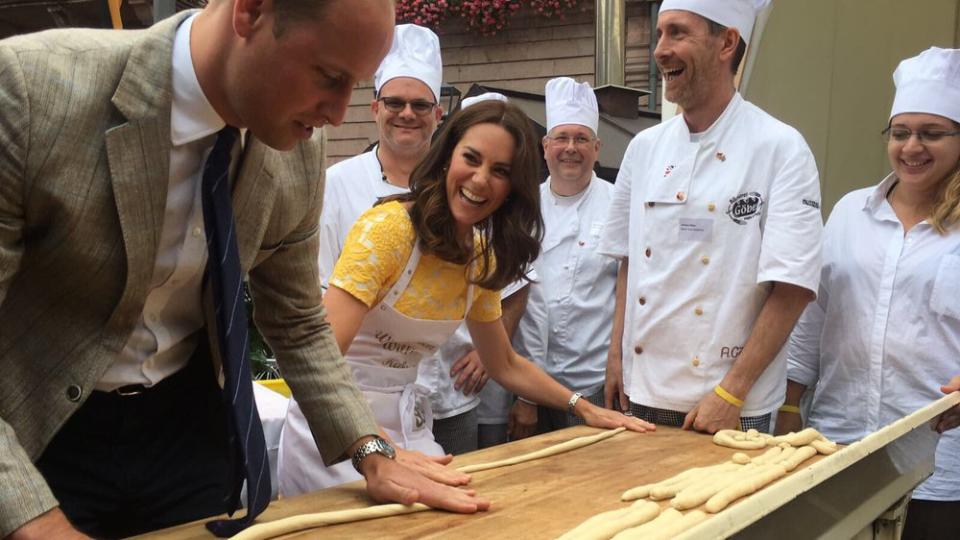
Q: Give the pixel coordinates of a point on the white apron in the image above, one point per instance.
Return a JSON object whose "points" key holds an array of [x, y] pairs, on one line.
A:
{"points": [[383, 359]]}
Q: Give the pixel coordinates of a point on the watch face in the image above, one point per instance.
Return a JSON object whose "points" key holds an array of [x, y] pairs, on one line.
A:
{"points": [[386, 449]]}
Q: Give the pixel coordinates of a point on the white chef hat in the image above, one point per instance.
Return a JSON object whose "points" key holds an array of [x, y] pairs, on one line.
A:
{"points": [[466, 102], [929, 83], [415, 53], [739, 14], [570, 102]]}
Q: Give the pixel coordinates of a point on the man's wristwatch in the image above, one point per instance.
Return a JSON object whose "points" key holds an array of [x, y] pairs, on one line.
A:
{"points": [[375, 446], [573, 401]]}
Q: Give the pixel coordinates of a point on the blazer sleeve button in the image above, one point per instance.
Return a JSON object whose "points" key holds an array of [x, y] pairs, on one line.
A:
{"points": [[74, 392]]}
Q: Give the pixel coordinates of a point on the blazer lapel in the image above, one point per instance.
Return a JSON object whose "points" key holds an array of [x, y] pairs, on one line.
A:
{"points": [[138, 150]]}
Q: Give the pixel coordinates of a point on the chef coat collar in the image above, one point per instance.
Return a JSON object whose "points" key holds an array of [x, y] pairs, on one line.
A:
{"points": [[716, 127], [877, 204]]}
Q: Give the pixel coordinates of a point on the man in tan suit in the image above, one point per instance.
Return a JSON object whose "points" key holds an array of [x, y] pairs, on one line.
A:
{"points": [[106, 407]]}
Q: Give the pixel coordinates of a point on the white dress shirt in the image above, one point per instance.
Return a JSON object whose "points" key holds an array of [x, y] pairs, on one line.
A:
{"points": [[884, 333], [578, 285], [159, 345], [708, 222]]}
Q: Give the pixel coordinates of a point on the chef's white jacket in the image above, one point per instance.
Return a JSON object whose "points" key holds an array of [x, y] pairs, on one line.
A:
{"points": [[351, 188], [884, 333], [708, 221], [578, 286]]}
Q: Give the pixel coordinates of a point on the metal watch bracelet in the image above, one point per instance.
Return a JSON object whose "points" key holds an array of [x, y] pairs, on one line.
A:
{"points": [[573, 402]]}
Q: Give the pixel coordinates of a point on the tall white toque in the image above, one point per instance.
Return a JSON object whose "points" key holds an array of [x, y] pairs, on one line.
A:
{"points": [[929, 83], [486, 96], [570, 102], [415, 53], [739, 14]]}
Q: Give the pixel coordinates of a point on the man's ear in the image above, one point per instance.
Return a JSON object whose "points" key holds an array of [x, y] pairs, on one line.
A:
{"points": [[246, 13], [731, 40]]}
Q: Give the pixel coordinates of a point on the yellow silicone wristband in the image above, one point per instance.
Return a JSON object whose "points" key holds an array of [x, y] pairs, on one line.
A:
{"points": [[790, 409], [727, 396]]}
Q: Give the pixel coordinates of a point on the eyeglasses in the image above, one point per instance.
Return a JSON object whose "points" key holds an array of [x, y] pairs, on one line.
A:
{"points": [[579, 140], [902, 135], [420, 107]]}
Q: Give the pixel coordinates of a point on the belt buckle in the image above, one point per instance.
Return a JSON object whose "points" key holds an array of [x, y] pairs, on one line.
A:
{"points": [[130, 390]]}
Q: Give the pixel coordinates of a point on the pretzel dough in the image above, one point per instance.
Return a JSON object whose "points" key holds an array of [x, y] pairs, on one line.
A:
{"points": [[801, 438], [675, 483], [666, 518], [799, 456], [604, 526], [824, 446], [731, 438], [566, 446], [288, 525], [763, 475]]}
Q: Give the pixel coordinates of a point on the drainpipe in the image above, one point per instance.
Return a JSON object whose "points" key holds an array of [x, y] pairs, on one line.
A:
{"points": [[611, 38]]}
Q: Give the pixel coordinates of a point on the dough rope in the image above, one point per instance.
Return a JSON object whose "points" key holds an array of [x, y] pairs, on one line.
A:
{"points": [[292, 524], [607, 524], [566, 446]]}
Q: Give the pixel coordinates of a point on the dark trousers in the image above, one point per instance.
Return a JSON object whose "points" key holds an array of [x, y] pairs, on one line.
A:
{"points": [[125, 465], [932, 520]]}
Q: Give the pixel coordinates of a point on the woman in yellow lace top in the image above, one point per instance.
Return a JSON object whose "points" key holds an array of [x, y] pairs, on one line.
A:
{"points": [[413, 268]]}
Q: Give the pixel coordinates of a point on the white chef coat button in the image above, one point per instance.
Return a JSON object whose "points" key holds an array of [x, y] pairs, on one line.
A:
{"points": [[580, 243], [651, 204], [698, 310], [643, 300], [696, 361], [705, 259], [711, 207], [681, 196], [648, 252], [638, 349]]}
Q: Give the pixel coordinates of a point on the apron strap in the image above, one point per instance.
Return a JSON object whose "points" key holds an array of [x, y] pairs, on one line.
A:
{"points": [[405, 276]]}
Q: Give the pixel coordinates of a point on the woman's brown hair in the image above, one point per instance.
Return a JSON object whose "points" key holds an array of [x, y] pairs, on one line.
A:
{"points": [[510, 237]]}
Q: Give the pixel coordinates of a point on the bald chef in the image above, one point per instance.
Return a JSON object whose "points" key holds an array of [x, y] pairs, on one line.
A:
{"points": [[720, 210], [576, 281]]}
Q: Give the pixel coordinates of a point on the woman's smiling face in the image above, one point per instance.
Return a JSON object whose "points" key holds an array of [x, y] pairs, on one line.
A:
{"points": [[478, 177]]}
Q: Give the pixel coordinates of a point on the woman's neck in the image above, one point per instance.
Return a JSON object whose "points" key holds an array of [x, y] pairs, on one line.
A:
{"points": [[911, 206]]}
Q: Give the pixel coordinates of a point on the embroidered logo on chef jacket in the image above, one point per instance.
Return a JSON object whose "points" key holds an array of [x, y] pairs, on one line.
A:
{"points": [[811, 204], [745, 206], [669, 170]]}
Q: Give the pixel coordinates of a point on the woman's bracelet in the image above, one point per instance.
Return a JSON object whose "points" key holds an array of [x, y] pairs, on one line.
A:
{"points": [[790, 409]]}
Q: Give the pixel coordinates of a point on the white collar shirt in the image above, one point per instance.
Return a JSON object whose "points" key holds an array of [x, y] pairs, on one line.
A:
{"points": [[577, 284], [160, 344], [884, 333], [352, 187], [707, 225]]}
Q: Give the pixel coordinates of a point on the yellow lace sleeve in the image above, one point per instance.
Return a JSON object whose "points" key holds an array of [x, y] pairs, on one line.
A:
{"points": [[486, 306], [374, 253]]}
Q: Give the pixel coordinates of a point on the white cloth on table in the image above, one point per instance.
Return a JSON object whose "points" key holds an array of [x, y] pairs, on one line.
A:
{"points": [[708, 225], [884, 333]]}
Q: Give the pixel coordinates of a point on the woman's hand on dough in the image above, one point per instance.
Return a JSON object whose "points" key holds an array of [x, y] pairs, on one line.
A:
{"points": [[606, 418], [433, 467], [392, 481]]}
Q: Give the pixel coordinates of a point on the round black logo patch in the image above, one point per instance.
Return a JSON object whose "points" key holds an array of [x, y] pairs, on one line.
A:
{"points": [[744, 207]]}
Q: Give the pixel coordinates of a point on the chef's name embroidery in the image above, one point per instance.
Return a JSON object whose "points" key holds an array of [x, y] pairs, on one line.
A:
{"points": [[744, 207], [387, 342], [730, 352], [811, 204], [669, 170]]}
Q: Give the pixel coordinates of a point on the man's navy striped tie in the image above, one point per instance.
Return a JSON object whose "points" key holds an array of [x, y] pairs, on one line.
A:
{"points": [[247, 445]]}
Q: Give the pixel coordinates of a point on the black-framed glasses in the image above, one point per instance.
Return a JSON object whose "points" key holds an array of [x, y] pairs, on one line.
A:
{"points": [[564, 140], [925, 135], [419, 107]]}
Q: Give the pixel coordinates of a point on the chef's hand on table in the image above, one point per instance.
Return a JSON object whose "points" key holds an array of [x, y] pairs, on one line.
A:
{"points": [[950, 418], [787, 422], [468, 374], [433, 467], [712, 414], [522, 422], [389, 481], [605, 418], [51, 524]]}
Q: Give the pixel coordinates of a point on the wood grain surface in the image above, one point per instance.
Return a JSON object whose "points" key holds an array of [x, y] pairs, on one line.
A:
{"points": [[535, 500]]}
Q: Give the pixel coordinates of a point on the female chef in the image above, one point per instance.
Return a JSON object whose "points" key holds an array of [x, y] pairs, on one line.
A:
{"points": [[884, 333], [413, 267]]}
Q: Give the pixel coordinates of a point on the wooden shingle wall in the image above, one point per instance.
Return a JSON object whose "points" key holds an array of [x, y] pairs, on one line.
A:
{"points": [[531, 51]]}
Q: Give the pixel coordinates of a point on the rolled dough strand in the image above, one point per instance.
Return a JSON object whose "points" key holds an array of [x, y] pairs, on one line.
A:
{"points": [[801, 438], [727, 437], [643, 491], [292, 524], [565, 446], [799, 456], [751, 484], [672, 530], [770, 456], [740, 458], [604, 526], [663, 491], [696, 495], [665, 518], [785, 455], [824, 446]]}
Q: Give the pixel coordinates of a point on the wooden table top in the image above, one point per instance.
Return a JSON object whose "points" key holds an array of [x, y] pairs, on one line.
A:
{"points": [[541, 499]]}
